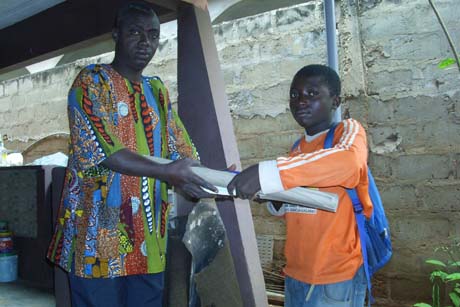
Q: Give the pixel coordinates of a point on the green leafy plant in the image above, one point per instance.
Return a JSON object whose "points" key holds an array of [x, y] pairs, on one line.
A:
{"points": [[446, 63], [446, 275]]}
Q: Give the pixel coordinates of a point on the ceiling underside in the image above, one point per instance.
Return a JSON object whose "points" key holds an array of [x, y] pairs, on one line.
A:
{"points": [[56, 25]]}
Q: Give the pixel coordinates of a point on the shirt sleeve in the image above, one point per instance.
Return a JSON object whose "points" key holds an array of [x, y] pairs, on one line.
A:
{"points": [[179, 142], [92, 120], [342, 165], [272, 210]]}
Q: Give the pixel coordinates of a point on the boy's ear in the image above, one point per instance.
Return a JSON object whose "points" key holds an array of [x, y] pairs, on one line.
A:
{"points": [[336, 102]]}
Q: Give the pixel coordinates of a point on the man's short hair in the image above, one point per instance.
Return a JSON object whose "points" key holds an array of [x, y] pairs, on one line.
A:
{"points": [[330, 76], [130, 7]]}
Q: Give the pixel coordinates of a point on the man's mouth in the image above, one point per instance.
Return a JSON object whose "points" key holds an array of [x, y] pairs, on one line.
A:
{"points": [[143, 53]]}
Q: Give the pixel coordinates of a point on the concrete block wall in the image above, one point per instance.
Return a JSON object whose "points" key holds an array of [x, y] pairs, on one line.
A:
{"points": [[410, 107], [389, 51]]}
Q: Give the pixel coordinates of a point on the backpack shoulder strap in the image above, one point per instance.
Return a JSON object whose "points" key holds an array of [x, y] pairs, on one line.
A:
{"points": [[330, 136], [296, 143], [360, 218]]}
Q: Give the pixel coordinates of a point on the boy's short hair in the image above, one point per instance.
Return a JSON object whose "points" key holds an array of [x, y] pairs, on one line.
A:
{"points": [[330, 76], [130, 7]]}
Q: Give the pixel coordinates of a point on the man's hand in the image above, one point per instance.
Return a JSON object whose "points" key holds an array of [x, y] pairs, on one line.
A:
{"points": [[177, 173], [246, 184], [180, 175]]}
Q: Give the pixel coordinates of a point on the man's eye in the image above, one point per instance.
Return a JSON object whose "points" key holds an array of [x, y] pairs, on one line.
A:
{"points": [[134, 32], [154, 35], [294, 95]]}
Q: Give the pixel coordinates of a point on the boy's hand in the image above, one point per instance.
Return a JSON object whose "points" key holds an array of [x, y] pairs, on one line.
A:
{"points": [[246, 184]]}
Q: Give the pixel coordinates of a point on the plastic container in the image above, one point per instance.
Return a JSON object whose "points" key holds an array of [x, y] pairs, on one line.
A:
{"points": [[6, 242], [8, 267]]}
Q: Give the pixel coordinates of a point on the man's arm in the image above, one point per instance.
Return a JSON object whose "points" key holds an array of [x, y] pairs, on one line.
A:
{"points": [[177, 173]]}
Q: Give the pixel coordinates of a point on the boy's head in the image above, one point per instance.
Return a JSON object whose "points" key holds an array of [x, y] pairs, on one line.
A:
{"points": [[314, 96]]}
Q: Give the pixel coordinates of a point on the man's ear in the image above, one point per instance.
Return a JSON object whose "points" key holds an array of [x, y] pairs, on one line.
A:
{"points": [[115, 34], [336, 101]]}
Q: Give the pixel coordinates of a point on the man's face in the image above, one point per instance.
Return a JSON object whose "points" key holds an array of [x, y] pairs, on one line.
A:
{"points": [[136, 39], [311, 102]]}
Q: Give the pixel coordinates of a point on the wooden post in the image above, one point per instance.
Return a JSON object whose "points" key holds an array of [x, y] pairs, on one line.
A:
{"points": [[203, 107]]}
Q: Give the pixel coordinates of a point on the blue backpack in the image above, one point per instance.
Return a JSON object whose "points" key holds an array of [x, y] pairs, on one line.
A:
{"points": [[374, 233]]}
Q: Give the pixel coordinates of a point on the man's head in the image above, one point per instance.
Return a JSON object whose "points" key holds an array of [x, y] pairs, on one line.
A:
{"points": [[314, 95], [136, 34]]}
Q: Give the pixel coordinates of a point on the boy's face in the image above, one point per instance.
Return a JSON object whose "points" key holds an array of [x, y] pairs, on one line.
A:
{"points": [[311, 102]]}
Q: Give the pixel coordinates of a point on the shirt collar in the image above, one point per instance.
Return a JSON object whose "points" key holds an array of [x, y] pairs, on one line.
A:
{"points": [[310, 138]]}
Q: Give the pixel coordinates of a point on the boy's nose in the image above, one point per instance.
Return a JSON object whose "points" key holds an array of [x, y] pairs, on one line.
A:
{"points": [[304, 100]]}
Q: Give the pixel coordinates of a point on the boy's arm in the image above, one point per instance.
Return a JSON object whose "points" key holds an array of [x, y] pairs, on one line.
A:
{"points": [[342, 165]]}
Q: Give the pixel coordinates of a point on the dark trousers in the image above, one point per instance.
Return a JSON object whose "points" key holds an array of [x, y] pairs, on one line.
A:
{"points": [[135, 290]]}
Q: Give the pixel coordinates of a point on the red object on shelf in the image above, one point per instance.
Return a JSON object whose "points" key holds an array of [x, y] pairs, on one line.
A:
{"points": [[6, 242]]}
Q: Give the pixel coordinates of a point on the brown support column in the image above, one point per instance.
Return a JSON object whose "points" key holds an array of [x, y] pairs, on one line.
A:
{"points": [[203, 107]]}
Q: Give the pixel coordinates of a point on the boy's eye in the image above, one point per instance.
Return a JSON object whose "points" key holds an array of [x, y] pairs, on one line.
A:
{"points": [[312, 93], [294, 94]]}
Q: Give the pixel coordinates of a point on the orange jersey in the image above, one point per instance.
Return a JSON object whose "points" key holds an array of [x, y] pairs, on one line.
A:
{"points": [[324, 247]]}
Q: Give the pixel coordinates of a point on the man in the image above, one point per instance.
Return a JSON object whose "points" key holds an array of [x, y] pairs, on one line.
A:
{"points": [[111, 229]]}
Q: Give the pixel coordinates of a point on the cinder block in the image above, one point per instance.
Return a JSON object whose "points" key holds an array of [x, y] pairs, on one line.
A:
{"points": [[398, 196], [11, 87], [440, 198], [406, 261], [421, 108], [25, 84], [415, 47], [454, 217], [382, 80], [420, 167], [457, 166], [276, 145], [269, 225], [380, 111], [412, 230], [298, 16], [257, 124], [278, 250], [249, 148], [381, 165], [5, 104], [410, 288]]}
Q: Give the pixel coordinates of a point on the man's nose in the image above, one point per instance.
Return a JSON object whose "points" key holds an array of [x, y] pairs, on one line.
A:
{"points": [[143, 39]]}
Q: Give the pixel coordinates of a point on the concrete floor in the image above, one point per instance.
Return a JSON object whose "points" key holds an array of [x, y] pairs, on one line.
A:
{"points": [[17, 294]]}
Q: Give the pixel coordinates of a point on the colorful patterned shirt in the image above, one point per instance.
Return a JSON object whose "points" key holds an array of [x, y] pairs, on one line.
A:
{"points": [[110, 224]]}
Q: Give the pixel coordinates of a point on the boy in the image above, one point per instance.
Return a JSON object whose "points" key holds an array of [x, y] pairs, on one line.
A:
{"points": [[323, 251]]}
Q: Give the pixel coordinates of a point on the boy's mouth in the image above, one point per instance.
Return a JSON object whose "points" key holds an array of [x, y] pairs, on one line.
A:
{"points": [[303, 112]]}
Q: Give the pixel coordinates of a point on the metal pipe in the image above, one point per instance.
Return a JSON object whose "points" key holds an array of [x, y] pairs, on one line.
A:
{"points": [[331, 38]]}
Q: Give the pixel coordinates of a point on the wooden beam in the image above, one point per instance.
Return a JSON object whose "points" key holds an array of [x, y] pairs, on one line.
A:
{"points": [[203, 107], [67, 24], [168, 4]]}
